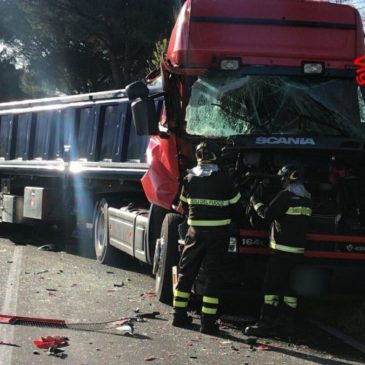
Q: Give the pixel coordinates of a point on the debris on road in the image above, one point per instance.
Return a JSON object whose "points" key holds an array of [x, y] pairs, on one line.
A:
{"points": [[263, 348], [126, 329], [150, 358], [119, 285], [41, 272], [234, 348], [47, 342], [235, 321], [56, 352], [49, 247], [8, 344]]}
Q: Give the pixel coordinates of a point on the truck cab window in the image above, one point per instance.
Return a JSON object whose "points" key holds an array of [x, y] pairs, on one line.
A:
{"points": [[227, 104]]}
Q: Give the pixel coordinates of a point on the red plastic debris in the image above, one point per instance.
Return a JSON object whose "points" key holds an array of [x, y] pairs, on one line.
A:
{"points": [[45, 342], [263, 348], [121, 322], [151, 294]]}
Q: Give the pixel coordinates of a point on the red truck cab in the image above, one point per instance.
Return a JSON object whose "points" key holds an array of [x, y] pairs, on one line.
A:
{"points": [[272, 82]]}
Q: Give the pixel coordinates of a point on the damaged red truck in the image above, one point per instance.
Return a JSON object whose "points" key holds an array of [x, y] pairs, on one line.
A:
{"points": [[271, 81]]}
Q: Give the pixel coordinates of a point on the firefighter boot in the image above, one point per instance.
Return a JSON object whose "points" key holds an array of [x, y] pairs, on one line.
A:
{"points": [[181, 318], [267, 325], [286, 321], [209, 324]]}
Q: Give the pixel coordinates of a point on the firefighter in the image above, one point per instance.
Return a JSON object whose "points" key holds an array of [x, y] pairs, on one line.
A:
{"points": [[209, 198], [288, 214]]}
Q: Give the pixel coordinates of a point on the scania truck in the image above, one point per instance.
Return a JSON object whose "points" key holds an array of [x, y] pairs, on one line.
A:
{"points": [[272, 82]]}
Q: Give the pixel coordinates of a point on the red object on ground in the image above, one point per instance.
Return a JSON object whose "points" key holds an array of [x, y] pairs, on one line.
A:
{"points": [[9, 319], [263, 348], [45, 342]]}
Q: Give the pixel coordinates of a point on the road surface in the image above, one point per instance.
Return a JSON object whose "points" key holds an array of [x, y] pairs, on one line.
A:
{"points": [[72, 286]]}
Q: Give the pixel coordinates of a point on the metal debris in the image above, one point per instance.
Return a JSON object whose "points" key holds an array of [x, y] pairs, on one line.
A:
{"points": [[41, 272], [119, 285], [49, 247], [8, 344]]}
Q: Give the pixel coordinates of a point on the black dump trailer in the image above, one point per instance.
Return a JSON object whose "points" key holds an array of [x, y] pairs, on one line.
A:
{"points": [[77, 161]]}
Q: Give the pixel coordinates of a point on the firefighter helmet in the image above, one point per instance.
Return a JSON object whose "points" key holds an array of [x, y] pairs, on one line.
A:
{"points": [[206, 152], [290, 174]]}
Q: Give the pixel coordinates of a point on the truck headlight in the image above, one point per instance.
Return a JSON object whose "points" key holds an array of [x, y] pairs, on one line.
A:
{"points": [[313, 68], [230, 64]]}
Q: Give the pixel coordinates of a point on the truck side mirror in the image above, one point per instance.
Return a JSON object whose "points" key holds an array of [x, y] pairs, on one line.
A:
{"points": [[144, 112], [137, 89]]}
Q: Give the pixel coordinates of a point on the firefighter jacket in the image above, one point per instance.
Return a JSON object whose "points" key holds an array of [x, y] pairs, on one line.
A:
{"points": [[289, 214], [209, 197]]}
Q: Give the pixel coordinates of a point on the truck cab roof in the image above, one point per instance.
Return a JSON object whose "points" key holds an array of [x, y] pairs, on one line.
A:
{"points": [[265, 33]]}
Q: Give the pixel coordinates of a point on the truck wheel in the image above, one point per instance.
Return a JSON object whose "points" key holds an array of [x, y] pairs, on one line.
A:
{"points": [[105, 253], [166, 256]]}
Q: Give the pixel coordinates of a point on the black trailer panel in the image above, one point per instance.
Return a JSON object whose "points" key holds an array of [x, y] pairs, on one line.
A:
{"points": [[40, 137]]}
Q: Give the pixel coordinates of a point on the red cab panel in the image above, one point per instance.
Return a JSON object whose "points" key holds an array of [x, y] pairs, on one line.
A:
{"points": [[265, 32], [161, 182]]}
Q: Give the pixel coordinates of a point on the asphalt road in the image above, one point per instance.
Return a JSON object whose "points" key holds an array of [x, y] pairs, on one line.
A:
{"points": [[72, 286]]}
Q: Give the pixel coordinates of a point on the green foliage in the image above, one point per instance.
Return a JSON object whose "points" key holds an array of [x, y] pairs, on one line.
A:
{"points": [[159, 51], [75, 46]]}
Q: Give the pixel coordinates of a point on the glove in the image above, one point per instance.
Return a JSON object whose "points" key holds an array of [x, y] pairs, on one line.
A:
{"points": [[254, 200]]}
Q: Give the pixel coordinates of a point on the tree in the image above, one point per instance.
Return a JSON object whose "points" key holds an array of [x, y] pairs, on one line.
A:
{"points": [[84, 45], [10, 79]]}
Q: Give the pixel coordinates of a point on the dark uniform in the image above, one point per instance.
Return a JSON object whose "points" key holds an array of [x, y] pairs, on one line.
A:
{"points": [[289, 214], [209, 198]]}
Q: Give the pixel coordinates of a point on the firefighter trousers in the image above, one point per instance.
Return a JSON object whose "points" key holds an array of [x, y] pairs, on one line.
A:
{"points": [[277, 284], [204, 247]]}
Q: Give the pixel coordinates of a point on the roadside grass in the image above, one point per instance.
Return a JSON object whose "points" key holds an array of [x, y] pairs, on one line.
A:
{"points": [[346, 315]]}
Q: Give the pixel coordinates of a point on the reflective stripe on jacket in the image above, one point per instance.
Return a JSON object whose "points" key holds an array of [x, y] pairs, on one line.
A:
{"points": [[210, 201], [289, 216]]}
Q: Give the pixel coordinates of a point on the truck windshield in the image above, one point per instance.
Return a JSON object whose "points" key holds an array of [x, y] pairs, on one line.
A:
{"points": [[225, 104]]}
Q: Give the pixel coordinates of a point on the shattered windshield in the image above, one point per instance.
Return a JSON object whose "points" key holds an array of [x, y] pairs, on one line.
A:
{"points": [[226, 104]]}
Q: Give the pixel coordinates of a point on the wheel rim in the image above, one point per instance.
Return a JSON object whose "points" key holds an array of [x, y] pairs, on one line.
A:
{"points": [[156, 257], [100, 232], [161, 258]]}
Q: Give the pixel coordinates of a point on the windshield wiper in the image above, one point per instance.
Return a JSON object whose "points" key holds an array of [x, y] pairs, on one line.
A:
{"points": [[226, 110]]}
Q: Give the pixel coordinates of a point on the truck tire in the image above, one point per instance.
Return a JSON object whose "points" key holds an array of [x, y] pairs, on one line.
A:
{"points": [[168, 256], [105, 253]]}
